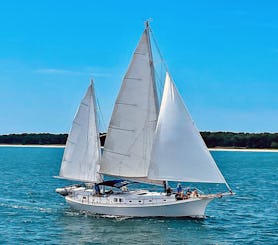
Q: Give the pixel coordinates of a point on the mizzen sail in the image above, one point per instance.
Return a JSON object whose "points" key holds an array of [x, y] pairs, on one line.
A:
{"points": [[179, 152], [82, 153]]}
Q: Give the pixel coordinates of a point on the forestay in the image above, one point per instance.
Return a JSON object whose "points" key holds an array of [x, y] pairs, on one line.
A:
{"points": [[130, 134], [179, 152], [82, 153]]}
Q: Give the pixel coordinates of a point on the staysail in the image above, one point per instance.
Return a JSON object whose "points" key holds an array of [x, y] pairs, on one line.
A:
{"points": [[179, 152], [82, 153], [130, 135]]}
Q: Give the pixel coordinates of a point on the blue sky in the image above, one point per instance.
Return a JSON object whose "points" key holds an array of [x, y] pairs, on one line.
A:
{"points": [[222, 55]]}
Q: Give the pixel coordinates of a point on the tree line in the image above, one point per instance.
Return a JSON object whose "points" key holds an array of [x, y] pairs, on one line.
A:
{"points": [[212, 139], [241, 140], [34, 139]]}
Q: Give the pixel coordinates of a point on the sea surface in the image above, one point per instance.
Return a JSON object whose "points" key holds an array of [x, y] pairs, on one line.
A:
{"points": [[32, 213]]}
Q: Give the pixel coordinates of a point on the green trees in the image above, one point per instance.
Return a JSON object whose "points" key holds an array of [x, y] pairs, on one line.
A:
{"points": [[241, 140], [212, 139], [34, 139]]}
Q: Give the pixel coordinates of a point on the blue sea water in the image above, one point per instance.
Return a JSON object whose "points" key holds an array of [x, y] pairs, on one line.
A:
{"points": [[32, 213]]}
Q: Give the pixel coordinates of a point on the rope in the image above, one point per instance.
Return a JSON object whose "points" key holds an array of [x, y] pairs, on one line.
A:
{"points": [[100, 114]]}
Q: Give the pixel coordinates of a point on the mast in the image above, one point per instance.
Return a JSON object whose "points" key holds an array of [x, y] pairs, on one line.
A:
{"points": [[147, 29], [98, 175]]}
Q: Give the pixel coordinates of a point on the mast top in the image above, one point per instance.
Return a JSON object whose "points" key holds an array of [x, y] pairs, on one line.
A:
{"points": [[147, 23]]}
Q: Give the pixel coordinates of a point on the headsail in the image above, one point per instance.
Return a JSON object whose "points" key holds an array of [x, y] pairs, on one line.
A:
{"points": [[82, 153], [130, 135], [179, 152]]}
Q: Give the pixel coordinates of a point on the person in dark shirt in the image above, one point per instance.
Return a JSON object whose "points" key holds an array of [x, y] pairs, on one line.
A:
{"points": [[179, 195], [97, 190], [179, 188]]}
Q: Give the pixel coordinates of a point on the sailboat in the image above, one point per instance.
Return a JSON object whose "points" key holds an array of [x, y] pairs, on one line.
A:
{"points": [[147, 142]]}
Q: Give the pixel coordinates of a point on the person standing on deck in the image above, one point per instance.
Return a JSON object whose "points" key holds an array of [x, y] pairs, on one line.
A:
{"points": [[179, 189]]}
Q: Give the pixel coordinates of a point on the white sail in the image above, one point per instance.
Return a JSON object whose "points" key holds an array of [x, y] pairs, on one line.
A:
{"points": [[82, 153], [130, 135], [179, 152]]}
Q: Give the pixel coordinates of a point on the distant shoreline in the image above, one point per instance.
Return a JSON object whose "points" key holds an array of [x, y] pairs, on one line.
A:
{"points": [[225, 140], [36, 146], [210, 149], [243, 150]]}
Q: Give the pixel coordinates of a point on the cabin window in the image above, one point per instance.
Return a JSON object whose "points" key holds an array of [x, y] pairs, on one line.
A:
{"points": [[150, 200], [139, 201], [115, 199], [164, 200], [120, 199]]}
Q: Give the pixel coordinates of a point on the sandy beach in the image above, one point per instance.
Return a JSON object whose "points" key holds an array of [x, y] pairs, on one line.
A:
{"points": [[211, 149], [37, 146], [244, 150]]}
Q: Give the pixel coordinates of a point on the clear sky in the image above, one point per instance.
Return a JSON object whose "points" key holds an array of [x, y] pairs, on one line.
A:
{"points": [[222, 55]]}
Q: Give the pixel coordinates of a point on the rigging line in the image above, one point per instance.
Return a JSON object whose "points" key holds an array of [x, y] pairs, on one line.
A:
{"points": [[160, 80], [161, 63], [147, 31], [157, 70], [100, 114], [159, 52]]}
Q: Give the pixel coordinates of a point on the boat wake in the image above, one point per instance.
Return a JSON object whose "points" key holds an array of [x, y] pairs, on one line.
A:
{"points": [[73, 212], [118, 218], [26, 207]]}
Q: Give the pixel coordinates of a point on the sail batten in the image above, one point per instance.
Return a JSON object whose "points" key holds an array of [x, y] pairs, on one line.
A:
{"points": [[130, 134], [179, 152], [82, 153]]}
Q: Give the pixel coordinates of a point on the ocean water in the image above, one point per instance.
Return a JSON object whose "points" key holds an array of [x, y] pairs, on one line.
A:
{"points": [[32, 213]]}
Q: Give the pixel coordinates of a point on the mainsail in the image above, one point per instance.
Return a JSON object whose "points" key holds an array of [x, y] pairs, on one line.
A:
{"points": [[179, 152], [82, 153], [130, 135]]}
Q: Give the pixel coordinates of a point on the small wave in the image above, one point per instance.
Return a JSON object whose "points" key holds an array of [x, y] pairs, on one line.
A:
{"points": [[244, 198], [26, 207], [118, 218], [72, 212], [107, 216]]}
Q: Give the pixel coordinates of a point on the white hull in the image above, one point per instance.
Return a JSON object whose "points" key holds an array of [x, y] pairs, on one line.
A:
{"points": [[133, 205]]}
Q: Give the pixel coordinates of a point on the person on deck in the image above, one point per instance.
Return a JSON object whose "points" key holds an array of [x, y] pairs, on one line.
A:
{"points": [[97, 190], [180, 192], [179, 188], [188, 193], [195, 193], [168, 191]]}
